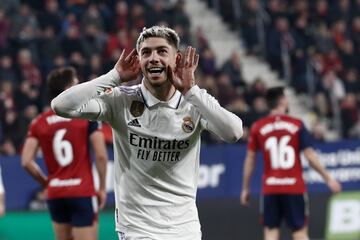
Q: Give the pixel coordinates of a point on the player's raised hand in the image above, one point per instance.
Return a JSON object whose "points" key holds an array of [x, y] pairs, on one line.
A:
{"points": [[183, 77], [101, 195], [128, 66], [334, 185], [244, 198]]}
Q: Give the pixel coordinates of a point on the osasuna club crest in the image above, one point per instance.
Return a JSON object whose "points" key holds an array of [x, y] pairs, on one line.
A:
{"points": [[188, 125], [137, 108]]}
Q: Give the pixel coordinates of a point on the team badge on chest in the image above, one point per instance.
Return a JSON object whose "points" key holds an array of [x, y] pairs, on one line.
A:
{"points": [[137, 108], [188, 125]]}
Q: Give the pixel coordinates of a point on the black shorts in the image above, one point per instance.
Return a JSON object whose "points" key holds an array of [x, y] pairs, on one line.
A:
{"points": [[293, 208], [78, 211]]}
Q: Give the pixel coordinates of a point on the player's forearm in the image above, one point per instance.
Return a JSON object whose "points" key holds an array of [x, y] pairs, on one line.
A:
{"points": [[314, 162], [79, 101], [35, 171], [249, 167], [223, 123], [101, 166]]}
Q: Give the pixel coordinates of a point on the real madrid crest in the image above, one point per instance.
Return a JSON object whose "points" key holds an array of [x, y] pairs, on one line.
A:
{"points": [[137, 108], [188, 125]]}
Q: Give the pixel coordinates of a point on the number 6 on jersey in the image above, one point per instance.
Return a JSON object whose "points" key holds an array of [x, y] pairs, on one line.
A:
{"points": [[62, 148]]}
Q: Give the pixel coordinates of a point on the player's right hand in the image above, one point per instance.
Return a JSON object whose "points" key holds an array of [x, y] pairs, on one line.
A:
{"points": [[334, 185], [244, 198], [101, 195], [128, 66]]}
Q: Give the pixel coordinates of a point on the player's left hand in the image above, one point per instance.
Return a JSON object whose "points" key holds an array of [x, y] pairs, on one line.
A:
{"points": [[244, 197], [101, 195], [334, 185], [183, 77]]}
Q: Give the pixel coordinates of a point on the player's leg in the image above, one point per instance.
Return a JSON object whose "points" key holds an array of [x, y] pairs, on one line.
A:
{"points": [[271, 216], [271, 233], [301, 234], [62, 231], [86, 233], [296, 212], [60, 216], [84, 218]]}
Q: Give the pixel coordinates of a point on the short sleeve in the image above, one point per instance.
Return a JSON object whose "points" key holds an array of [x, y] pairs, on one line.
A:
{"points": [[93, 126], [32, 132], [305, 138], [253, 143]]}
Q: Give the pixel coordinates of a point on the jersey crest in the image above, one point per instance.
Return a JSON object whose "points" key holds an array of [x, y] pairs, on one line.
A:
{"points": [[188, 125], [137, 108]]}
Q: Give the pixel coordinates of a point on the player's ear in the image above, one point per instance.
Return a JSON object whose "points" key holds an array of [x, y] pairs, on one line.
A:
{"points": [[178, 57]]}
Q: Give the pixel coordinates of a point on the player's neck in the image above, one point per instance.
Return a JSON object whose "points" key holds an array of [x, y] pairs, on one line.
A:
{"points": [[163, 92], [278, 111]]}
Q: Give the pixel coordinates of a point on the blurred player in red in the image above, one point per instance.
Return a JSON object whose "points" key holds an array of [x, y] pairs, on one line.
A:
{"points": [[70, 188], [281, 138]]}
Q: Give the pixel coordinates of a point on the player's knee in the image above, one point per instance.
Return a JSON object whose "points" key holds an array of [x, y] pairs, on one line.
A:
{"points": [[300, 234]]}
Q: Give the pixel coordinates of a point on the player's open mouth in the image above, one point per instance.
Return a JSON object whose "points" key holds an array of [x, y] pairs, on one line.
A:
{"points": [[154, 71]]}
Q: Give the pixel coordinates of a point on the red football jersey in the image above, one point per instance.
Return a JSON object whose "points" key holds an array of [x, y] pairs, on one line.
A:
{"points": [[280, 138], [64, 143]]}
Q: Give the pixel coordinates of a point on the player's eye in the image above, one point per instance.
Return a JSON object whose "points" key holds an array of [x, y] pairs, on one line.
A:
{"points": [[145, 53], [162, 51]]}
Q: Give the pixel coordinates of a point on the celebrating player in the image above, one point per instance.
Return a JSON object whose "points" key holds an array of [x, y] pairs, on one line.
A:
{"points": [[69, 184], [281, 138], [156, 127]]}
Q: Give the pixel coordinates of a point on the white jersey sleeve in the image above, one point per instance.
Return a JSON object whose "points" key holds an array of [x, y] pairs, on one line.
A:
{"points": [[82, 100], [215, 118]]}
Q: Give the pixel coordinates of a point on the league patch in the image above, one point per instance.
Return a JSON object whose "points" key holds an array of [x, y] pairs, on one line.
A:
{"points": [[188, 126], [137, 108]]}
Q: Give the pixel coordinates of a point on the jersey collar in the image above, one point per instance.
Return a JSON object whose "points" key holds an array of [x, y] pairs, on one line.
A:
{"points": [[151, 101]]}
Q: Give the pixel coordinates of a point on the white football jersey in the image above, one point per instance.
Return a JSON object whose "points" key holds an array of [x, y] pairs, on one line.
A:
{"points": [[156, 151]]}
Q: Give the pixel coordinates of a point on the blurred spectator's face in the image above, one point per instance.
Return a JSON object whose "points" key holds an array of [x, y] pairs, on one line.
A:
{"points": [[260, 105], [156, 54], [344, 4], [322, 6], [282, 24], [351, 76], [24, 57], [6, 62], [31, 111], [52, 6], [7, 87], [121, 8], [356, 24]]}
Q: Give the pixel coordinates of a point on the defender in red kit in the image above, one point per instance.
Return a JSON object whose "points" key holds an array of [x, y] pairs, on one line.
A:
{"points": [[281, 138], [72, 200]]}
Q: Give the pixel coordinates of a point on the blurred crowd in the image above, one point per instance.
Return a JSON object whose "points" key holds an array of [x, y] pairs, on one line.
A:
{"points": [[38, 36], [314, 45]]}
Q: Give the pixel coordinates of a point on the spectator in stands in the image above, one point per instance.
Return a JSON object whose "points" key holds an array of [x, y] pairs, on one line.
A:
{"points": [[250, 26], [349, 116], [28, 69], [51, 16], [281, 43], [207, 62], [232, 67], [7, 69], [4, 29]]}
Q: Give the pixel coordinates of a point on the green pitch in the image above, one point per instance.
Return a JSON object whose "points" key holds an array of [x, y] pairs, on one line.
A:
{"points": [[37, 225]]}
